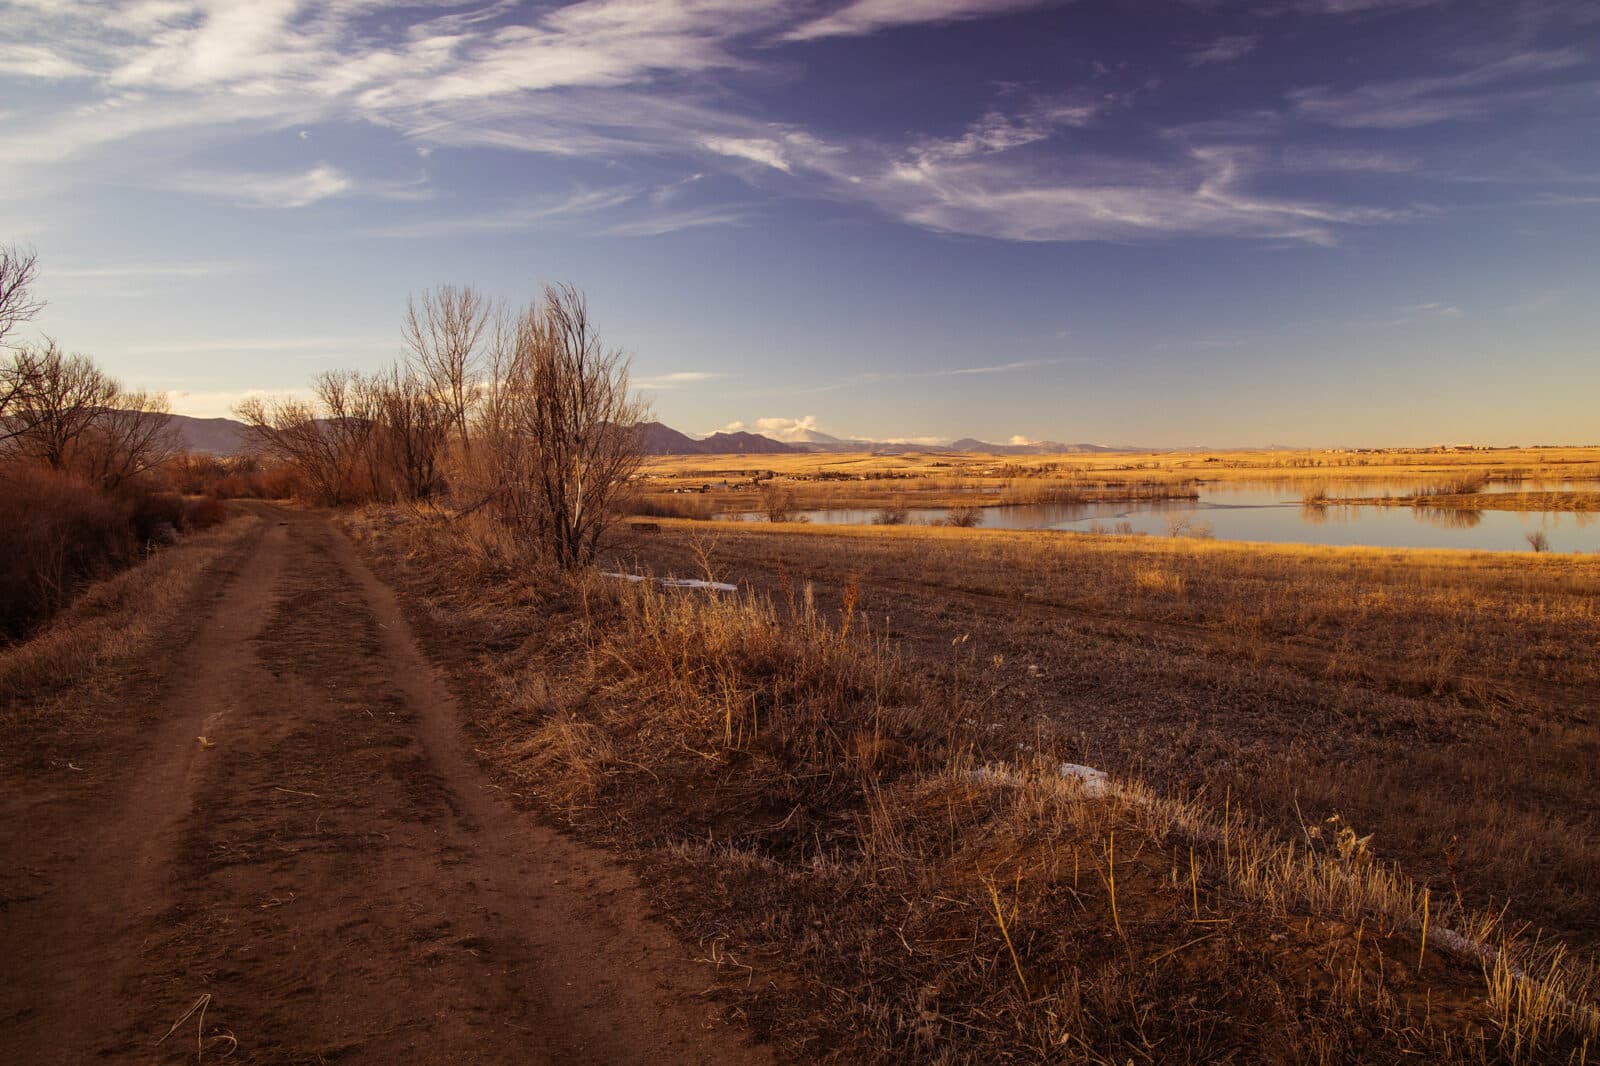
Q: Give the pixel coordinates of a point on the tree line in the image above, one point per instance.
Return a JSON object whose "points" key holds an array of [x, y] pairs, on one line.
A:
{"points": [[524, 412]]}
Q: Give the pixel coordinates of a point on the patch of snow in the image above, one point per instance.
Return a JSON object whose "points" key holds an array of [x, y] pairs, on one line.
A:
{"points": [[676, 582]]}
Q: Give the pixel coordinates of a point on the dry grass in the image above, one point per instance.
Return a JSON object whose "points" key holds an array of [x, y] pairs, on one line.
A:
{"points": [[703, 486], [890, 869], [114, 622], [1490, 501]]}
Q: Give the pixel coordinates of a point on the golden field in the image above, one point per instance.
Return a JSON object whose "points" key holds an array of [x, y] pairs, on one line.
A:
{"points": [[1349, 817]]}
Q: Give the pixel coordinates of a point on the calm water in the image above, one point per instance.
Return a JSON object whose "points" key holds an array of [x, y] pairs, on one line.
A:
{"points": [[1246, 511]]}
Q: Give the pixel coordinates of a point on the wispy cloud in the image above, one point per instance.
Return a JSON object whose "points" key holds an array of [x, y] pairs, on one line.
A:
{"points": [[1408, 102], [1224, 49], [578, 204], [1426, 312], [863, 17], [231, 345], [269, 190], [215, 404], [999, 368], [675, 380], [676, 221], [128, 271], [789, 430], [1205, 191], [610, 79]]}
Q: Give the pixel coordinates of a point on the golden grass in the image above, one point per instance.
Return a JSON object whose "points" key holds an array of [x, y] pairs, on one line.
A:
{"points": [[1566, 463], [917, 878], [1489, 501], [115, 622]]}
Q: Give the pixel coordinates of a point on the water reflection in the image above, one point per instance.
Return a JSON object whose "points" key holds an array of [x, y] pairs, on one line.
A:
{"points": [[1276, 512]]}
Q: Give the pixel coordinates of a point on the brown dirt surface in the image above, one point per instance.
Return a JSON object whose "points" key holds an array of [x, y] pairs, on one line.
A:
{"points": [[328, 875]]}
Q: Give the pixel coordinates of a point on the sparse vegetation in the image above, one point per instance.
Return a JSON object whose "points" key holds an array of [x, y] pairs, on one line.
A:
{"points": [[82, 468], [868, 816]]}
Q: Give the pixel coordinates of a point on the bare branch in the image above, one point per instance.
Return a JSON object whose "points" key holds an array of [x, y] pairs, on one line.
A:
{"points": [[19, 269]]}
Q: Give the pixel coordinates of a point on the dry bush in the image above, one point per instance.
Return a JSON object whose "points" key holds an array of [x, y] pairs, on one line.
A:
{"points": [[57, 534], [557, 431], [115, 622], [968, 517]]}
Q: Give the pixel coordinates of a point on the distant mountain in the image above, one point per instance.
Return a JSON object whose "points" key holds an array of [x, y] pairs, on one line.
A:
{"points": [[227, 436], [214, 436], [664, 440], [1044, 447], [661, 439], [755, 443]]}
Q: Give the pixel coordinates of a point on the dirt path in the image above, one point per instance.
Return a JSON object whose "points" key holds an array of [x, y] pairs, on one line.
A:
{"points": [[329, 866]]}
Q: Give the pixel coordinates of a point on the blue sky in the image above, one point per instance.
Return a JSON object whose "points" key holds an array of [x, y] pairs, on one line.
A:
{"points": [[1310, 222]]}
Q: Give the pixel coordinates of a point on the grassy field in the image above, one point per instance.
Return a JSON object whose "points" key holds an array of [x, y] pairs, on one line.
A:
{"points": [[1348, 817], [702, 486]]}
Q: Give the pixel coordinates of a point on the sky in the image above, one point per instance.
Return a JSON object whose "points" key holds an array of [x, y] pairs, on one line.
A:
{"points": [[1150, 222]]}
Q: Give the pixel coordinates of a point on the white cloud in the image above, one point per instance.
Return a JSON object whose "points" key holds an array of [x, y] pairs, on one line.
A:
{"points": [[1426, 312], [862, 17], [269, 190], [37, 61], [1000, 368], [201, 404], [1205, 192], [676, 221], [1411, 102], [1223, 50], [578, 204], [605, 78], [674, 380], [788, 430]]}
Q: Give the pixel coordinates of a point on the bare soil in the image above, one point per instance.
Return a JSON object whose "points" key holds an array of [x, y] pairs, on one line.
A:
{"points": [[326, 876]]}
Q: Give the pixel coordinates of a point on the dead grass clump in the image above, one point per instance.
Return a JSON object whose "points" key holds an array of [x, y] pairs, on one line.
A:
{"points": [[567, 760]]}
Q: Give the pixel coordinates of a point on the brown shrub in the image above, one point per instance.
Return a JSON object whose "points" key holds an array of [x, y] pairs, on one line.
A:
{"points": [[205, 513], [57, 533]]}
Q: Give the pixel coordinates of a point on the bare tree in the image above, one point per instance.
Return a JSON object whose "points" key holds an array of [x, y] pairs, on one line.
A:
{"points": [[132, 436], [19, 269], [559, 428], [61, 397], [415, 422], [441, 331], [298, 432]]}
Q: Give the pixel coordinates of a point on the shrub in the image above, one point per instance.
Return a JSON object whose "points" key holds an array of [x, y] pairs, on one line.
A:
{"points": [[205, 513], [967, 517], [57, 533]]}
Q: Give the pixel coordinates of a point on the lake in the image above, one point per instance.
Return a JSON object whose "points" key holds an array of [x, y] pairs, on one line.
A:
{"points": [[1273, 512]]}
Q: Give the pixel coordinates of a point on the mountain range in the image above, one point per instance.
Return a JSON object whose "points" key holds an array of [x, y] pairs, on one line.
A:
{"points": [[226, 436]]}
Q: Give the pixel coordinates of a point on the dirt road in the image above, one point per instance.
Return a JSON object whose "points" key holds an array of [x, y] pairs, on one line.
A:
{"points": [[326, 875]]}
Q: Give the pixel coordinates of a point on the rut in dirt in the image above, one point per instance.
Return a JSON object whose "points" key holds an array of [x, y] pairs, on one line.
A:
{"points": [[327, 875]]}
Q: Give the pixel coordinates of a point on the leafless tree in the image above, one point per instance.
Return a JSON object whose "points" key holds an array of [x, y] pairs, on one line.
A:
{"points": [[350, 410], [133, 435], [19, 269], [60, 398], [780, 503], [442, 330], [414, 424], [558, 427], [325, 439]]}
